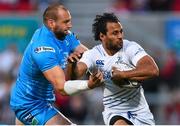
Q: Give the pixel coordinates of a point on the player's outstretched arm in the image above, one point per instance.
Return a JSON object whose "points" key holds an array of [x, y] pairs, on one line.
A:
{"points": [[56, 76], [81, 48]]}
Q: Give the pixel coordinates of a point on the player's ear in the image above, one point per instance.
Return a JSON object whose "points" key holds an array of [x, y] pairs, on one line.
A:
{"points": [[101, 36], [51, 23]]}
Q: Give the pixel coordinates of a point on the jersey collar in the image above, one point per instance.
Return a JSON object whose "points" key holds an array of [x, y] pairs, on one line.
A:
{"points": [[105, 53]]}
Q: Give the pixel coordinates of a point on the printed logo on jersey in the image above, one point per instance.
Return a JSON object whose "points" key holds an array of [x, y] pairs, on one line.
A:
{"points": [[106, 74], [100, 62], [44, 49], [31, 119], [63, 61], [119, 60]]}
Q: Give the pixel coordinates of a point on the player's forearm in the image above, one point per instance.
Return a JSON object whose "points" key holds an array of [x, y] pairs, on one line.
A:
{"points": [[72, 87], [139, 78], [70, 71], [140, 74], [75, 70], [75, 86], [80, 69], [146, 68], [81, 48]]}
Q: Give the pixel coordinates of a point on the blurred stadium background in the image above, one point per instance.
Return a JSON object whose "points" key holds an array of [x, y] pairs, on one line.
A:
{"points": [[155, 24]]}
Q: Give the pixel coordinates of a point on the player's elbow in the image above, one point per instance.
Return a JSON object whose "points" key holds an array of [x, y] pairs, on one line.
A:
{"points": [[60, 88], [155, 72]]}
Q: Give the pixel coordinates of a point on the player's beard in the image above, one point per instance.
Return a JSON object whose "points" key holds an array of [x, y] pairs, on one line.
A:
{"points": [[60, 35], [115, 48]]}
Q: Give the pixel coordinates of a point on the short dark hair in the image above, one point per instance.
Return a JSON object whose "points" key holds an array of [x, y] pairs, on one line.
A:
{"points": [[51, 12], [100, 22]]}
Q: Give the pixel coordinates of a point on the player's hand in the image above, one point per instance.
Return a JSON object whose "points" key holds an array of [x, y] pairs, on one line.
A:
{"points": [[95, 79], [117, 74], [74, 57]]}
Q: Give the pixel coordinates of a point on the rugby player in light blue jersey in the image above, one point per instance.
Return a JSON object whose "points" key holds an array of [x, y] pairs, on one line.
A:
{"points": [[41, 71]]}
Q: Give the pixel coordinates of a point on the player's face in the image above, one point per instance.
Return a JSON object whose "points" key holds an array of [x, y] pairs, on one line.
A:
{"points": [[62, 24], [113, 39]]}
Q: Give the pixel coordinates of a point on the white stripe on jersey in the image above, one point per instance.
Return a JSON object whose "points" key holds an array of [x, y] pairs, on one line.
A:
{"points": [[116, 97]]}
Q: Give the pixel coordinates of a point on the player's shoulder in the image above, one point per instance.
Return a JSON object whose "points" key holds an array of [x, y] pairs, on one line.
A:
{"points": [[38, 46], [42, 44], [42, 35], [96, 50], [127, 44], [71, 35]]}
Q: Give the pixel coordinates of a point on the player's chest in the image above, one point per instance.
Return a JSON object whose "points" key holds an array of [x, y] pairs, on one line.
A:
{"points": [[105, 63], [62, 54]]}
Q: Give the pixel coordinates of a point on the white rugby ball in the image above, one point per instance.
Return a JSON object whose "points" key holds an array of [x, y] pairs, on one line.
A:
{"points": [[126, 83]]}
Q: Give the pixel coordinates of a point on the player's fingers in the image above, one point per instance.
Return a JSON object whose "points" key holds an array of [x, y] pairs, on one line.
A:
{"points": [[101, 78], [95, 70], [78, 54], [97, 76], [114, 68], [70, 59], [96, 73], [76, 58], [73, 58]]}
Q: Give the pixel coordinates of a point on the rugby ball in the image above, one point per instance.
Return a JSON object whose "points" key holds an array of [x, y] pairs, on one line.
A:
{"points": [[126, 83]]}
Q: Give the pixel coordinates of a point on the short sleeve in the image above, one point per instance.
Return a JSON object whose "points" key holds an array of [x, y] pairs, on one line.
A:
{"points": [[87, 58], [45, 57], [135, 52], [74, 41]]}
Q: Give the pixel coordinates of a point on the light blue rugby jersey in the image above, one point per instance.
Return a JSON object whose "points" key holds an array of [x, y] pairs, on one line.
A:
{"points": [[43, 53]]}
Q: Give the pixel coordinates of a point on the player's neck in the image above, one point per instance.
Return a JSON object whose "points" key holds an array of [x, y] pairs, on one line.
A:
{"points": [[110, 52]]}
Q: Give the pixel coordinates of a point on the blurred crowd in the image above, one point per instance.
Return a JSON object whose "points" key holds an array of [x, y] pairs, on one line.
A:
{"points": [[25, 5], [145, 5], [86, 108], [9, 64], [164, 91], [117, 5]]}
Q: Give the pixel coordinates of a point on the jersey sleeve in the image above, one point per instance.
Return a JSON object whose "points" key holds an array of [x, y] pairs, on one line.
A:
{"points": [[45, 58], [135, 53], [87, 58], [74, 41]]}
